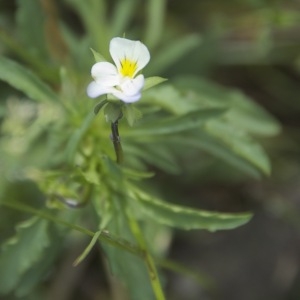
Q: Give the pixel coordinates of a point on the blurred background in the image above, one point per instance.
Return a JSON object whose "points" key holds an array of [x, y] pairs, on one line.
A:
{"points": [[252, 46]]}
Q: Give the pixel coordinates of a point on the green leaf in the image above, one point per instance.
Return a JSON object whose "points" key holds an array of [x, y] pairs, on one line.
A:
{"points": [[153, 81], [77, 136], [128, 268], [187, 218], [31, 27], [247, 114], [209, 144], [112, 112], [88, 249], [91, 175], [160, 157], [131, 113], [173, 100], [240, 144], [123, 13], [97, 56], [156, 10], [137, 175], [227, 137], [79, 48], [25, 81], [20, 252], [131, 271], [172, 52], [39, 271], [94, 19], [244, 112], [177, 124], [99, 106]]}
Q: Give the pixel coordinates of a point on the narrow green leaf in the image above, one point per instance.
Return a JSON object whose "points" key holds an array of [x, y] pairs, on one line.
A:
{"points": [[120, 261], [155, 22], [171, 53], [131, 113], [79, 47], [94, 18], [31, 25], [160, 157], [35, 276], [46, 71], [21, 251], [123, 13], [153, 81], [77, 135], [25, 81], [88, 249], [175, 101], [104, 237], [176, 124], [209, 144], [91, 176], [240, 144], [137, 175], [148, 259], [99, 106], [187, 218], [244, 112], [112, 112], [39, 270], [97, 56]]}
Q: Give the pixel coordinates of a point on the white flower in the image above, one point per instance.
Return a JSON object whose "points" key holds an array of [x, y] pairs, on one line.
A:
{"points": [[119, 79]]}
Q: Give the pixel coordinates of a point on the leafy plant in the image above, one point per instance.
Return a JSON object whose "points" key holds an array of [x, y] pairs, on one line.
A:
{"points": [[55, 141]]}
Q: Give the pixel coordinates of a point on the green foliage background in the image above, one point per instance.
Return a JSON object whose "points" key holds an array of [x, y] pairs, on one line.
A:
{"points": [[194, 129]]}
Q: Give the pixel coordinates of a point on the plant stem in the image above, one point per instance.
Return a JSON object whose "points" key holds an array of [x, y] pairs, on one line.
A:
{"points": [[152, 271], [116, 141], [105, 236]]}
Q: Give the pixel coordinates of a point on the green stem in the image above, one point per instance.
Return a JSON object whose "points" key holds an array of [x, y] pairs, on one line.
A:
{"points": [[152, 271], [116, 141], [105, 236], [124, 245]]}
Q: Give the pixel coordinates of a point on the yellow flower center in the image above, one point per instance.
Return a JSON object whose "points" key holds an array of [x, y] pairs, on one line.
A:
{"points": [[128, 67]]}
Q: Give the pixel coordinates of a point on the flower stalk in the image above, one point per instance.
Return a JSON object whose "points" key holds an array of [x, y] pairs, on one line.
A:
{"points": [[115, 137]]}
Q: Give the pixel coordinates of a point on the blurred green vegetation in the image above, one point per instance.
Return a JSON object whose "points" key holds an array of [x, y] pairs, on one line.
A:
{"points": [[221, 134]]}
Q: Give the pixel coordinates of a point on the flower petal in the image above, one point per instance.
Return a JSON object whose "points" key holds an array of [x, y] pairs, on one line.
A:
{"points": [[126, 98], [134, 51], [130, 89], [94, 90], [105, 74], [132, 86]]}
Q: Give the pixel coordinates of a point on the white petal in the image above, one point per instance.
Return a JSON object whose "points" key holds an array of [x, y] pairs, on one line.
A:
{"points": [[105, 74], [132, 87], [135, 51], [126, 98], [94, 90]]}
